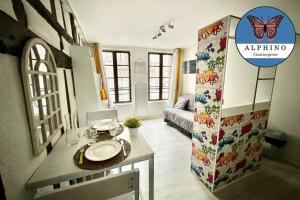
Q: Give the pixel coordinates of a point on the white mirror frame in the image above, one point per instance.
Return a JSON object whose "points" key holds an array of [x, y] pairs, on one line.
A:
{"points": [[43, 103]]}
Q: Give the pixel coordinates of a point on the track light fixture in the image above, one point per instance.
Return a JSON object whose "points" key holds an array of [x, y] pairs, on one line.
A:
{"points": [[162, 29], [170, 25], [159, 34]]}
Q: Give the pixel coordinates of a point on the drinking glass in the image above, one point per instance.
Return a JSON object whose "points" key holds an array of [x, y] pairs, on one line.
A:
{"points": [[72, 135], [113, 129], [91, 135]]}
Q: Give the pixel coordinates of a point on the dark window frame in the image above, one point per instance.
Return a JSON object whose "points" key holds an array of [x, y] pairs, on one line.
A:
{"points": [[115, 71], [160, 74]]}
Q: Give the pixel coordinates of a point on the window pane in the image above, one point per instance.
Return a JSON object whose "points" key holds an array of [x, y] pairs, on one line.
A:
{"points": [[165, 93], [167, 60], [51, 86], [47, 128], [52, 103], [123, 83], [154, 71], [54, 122], [123, 71], [124, 97], [167, 71], [154, 82], [36, 112], [58, 115], [43, 67], [112, 95], [166, 83], [111, 83], [41, 83], [124, 91], [32, 84], [32, 54], [57, 104], [109, 71], [33, 64], [107, 58], [122, 59], [30, 63], [154, 59], [41, 51], [45, 104], [55, 83], [39, 134], [48, 82], [154, 94]]}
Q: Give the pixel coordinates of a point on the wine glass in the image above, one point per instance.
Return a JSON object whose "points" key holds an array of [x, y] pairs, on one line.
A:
{"points": [[91, 135], [113, 128]]}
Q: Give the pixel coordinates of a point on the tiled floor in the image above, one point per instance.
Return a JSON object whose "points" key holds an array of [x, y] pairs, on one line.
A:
{"points": [[173, 179]]}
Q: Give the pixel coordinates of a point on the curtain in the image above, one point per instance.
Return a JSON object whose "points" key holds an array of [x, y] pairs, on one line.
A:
{"points": [[104, 92], [175, 82]]}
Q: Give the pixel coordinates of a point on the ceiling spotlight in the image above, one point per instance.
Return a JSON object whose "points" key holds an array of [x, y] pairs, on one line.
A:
{"points": [[170, 25], [163, 29], [154, 37], [159, 34]]}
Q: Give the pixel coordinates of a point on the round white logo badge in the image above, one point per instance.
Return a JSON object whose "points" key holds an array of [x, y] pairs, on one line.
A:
{"points": [[265, 36]]}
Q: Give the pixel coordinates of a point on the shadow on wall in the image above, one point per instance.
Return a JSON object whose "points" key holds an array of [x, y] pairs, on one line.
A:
{"points": [[2, 192], [274, 181]]}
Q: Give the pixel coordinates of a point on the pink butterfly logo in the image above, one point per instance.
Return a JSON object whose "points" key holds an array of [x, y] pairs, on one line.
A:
{"points": [[260, 28]]}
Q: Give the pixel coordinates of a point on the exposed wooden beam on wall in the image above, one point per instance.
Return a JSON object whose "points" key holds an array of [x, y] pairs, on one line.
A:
{"points": [[20, 11], [63, 14], [53, 9], [14, 35], [73, 26], [44, 12]]}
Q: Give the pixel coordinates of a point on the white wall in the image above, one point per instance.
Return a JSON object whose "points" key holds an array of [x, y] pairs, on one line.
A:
{"points": [[240, 80], [140, 106], [17, 161], [189, 80], [285, 106]]}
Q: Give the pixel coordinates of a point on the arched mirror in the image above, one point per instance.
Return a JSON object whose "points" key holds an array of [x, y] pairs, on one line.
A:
{"points": [[41, 93]]}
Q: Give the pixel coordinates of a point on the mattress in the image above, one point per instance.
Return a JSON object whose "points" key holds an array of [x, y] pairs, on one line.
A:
{"points": [[182, 118]]}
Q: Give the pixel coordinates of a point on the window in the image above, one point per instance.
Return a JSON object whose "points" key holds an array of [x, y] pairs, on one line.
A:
{"points": [[160, 67], [41, 93], [117, 70]]}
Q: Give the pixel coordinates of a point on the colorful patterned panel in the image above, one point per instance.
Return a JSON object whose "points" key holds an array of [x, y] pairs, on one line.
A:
{"points": [[208, 98], [240, 146]]}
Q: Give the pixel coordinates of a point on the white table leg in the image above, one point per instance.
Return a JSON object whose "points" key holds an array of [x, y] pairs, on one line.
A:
{"points": [[151, 178]]}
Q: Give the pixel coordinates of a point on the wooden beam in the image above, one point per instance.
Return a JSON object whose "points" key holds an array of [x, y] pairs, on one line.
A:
{"points": [[14, 35], [53, 9], [63, 14], [74, 31], [19, 11], [44, 12]]}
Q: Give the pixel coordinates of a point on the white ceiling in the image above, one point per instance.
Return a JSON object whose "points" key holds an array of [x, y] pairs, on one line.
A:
{"points": [[134, 22]]}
